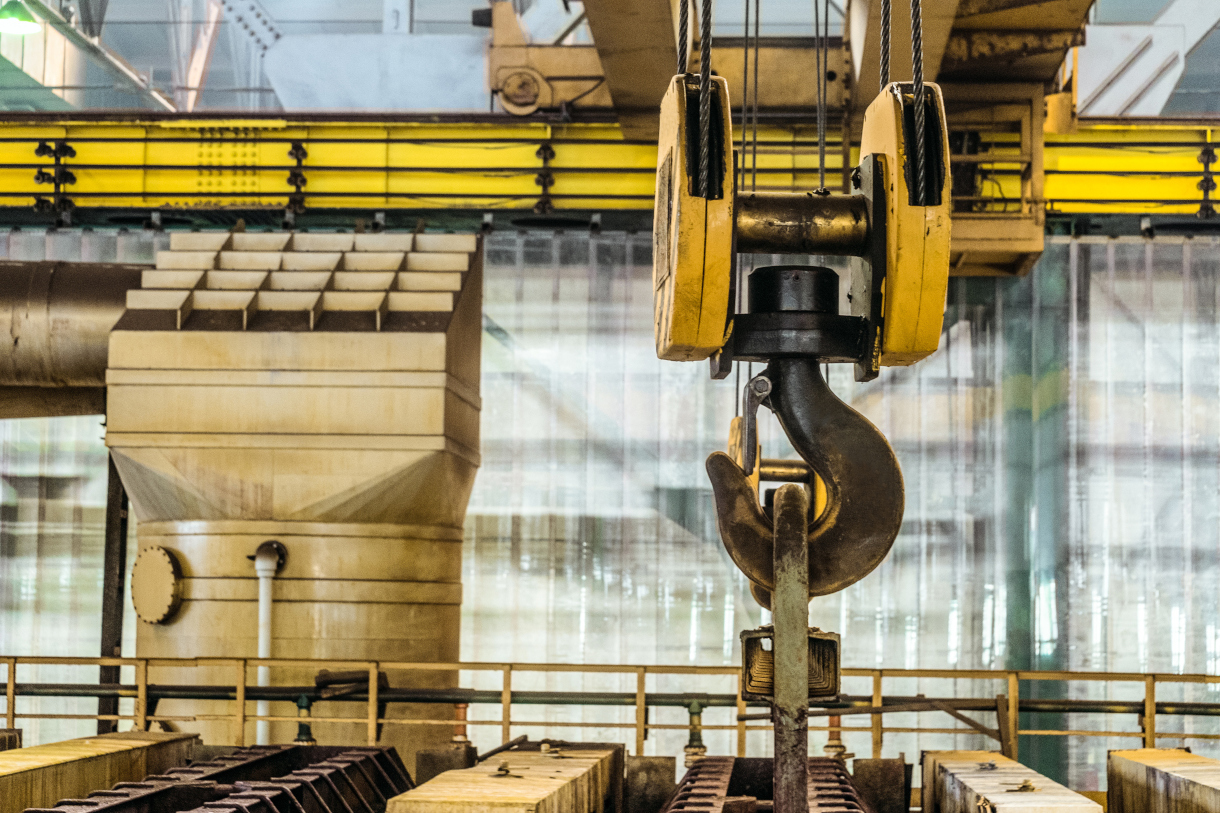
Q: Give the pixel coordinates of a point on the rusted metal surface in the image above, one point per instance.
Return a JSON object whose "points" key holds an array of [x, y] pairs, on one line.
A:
{"points": [[783, 471], [261, 779], [865, 494], [791, 619], [704, 788], [831, 788], [728, 785], [883, 784], [57, 317], [758, 667], [48, 402], [802, 223]]}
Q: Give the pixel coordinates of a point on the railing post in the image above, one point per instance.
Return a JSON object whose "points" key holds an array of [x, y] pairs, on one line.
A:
{"points": [[373, 671], [1014, 710], [1150, 711], [10, 694], [506, 701], [878, 734], [741, 724], [239, 712], [641, 710], [141, 710]]}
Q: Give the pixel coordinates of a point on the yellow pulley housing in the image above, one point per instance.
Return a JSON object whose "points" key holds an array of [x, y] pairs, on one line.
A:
{"points": [[692, 266], [915, 279], [899, 248]]}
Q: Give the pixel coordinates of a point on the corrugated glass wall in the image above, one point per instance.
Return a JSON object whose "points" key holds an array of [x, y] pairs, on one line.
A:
{"points": [[1061, 454]]}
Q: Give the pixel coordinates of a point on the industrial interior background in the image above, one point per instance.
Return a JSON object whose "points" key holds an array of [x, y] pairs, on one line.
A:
{"points": [[1061, 449], [1066, 433]]}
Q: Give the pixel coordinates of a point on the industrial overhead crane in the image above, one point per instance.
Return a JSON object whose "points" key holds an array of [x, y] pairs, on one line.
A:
{"points": [[837, 521], [840, 513]]}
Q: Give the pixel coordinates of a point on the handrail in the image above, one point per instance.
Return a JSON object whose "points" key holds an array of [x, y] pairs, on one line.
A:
{"points": [[1009, 703]]}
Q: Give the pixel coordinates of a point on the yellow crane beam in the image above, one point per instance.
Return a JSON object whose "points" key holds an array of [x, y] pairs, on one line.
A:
{"points": [[201, 163]]}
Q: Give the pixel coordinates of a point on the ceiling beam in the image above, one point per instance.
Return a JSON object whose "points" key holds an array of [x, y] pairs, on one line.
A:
{"points": [[637, 42], [864, 31], [989, 54]]}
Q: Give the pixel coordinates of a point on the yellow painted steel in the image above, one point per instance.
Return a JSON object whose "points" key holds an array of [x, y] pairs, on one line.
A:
{"points": [[692, 258], [917, 237], [1106, 166]]}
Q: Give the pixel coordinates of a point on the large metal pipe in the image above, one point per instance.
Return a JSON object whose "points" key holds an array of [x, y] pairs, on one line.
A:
{"points": [[802, 223], [55, 319]]}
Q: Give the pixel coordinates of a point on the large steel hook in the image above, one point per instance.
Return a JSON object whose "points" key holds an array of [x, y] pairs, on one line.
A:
{"points": [[864, 490]]}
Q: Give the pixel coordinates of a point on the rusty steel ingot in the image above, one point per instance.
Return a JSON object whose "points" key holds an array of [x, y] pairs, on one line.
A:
{"points": [[864, 489]]}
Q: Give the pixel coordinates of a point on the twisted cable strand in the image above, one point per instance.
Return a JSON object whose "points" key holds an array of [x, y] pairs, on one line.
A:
{"points": [[705, 98], [754, 157], [821, 30], [683, 35], [885, 43], [917, 81], [745, 96]]}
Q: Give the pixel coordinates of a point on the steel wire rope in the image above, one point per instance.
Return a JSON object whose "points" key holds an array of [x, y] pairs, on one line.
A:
{"points": [[917, 83], [683, 35], [739, 267], [745, 94], [821, 54], [754, 144], [754, 139], [705, 98], [885, 43]]}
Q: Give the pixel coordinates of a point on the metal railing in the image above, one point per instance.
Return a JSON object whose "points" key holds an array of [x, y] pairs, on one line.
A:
{"points": [[1007, 704]]}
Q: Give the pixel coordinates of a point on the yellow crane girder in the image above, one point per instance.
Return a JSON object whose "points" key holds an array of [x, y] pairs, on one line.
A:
{"points": [[204, 163]]}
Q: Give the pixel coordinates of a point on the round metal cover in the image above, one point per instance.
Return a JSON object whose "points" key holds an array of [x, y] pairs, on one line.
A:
{"points": [[156, 585], [524, 91]]}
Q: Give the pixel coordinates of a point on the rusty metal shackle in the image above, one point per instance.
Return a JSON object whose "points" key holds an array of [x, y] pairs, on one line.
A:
{"points": [[864, 489]]}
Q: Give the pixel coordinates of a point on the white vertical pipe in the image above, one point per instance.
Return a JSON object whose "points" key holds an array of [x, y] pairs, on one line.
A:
{"points": [[266, 563]]}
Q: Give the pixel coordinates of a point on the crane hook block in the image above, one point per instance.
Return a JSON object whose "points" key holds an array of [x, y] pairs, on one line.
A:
{"points": [[693, 252], [898, 245]]}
